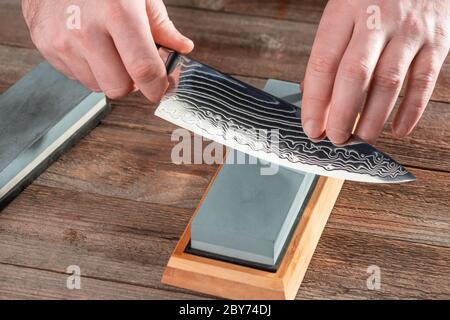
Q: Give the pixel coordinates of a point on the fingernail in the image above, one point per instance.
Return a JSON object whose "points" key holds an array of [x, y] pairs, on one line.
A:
{"points": [[313, 128], [338, 136], [189, 45], [190, 42], [367, 134], [401, 130]]}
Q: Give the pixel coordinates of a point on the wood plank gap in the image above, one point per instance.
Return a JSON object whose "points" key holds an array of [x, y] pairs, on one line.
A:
{"points": [[427, 169], [166, 288], [239, 14], [391, 239]]}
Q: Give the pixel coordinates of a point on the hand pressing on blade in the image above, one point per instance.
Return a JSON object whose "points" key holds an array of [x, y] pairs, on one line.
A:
{"points": [[108, 45], [363, 53]]}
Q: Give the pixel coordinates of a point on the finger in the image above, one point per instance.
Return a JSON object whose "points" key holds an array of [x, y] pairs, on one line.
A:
{"points": [[333, 36], [108, 68], [387, 82], [422, 78], [163, 29], [133, 39], [352, 82]]}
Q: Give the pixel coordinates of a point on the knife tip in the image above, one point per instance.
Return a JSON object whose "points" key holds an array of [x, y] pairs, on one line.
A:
{"points": [[408, 177]]}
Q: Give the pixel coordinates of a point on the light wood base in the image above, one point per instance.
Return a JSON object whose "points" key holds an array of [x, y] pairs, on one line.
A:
{"points": [[234, 281]]}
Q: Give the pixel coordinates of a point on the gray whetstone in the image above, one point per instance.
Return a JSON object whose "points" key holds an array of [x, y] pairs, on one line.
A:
{"points": [[245, 210], [32, 106]]}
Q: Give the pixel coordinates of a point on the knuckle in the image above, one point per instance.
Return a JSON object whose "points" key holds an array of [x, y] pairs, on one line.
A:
{"points": [[424, 80], [161, 17], [61, 44], [116, 11], [165, 23], [412, 26], [389, 78], [88, 31], [356, 69], [147, 72], [441, 32], [322, 64]]}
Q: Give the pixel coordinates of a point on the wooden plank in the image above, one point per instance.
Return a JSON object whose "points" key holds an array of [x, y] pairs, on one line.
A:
{"points": [[356, 203], [119, 162], [134, 112], [103, 203], [424, 148], [108, 238], [133, 167], [359, 209], [13, 29], [236, 44], [130, 242], [338, 269], [24, 283], [16, 63], [304, 11], [427, 147], [416, 212]]}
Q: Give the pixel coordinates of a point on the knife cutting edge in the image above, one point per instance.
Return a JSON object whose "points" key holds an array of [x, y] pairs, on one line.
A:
{"points": [[233, 113]]}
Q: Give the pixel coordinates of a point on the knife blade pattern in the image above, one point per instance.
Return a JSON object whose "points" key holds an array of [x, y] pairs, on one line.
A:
{"points": [[203, 98]]}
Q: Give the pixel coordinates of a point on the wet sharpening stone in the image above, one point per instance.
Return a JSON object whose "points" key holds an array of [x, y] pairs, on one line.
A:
{"points": [[247, 217], [41, 116]]}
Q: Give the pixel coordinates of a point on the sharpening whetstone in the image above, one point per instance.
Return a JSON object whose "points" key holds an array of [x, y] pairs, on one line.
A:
{"points": [[247, 217], [41, 116]]}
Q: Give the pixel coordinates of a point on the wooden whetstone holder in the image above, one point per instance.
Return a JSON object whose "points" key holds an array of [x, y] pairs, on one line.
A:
{"points": [[233, 281]]}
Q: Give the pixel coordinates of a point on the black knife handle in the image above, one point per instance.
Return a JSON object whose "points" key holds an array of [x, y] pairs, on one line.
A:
{"points": [[168, 56]]}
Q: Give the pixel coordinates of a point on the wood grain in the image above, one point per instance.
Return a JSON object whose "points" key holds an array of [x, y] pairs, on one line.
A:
{"points": [[303, 11], [277, 48], [30, 283], [116, 205], [130, 242], [338, 269]]}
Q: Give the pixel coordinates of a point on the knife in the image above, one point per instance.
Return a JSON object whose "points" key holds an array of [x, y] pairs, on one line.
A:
{"points": [[237, 115]]}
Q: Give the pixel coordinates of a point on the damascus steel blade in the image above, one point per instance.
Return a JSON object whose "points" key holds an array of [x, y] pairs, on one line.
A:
{"points": [[228, 111]]}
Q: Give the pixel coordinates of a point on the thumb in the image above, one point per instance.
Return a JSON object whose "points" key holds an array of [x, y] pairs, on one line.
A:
{"points": [[163, 30]]}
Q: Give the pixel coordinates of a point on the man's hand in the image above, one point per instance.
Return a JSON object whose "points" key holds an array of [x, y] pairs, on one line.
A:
{"points": [[363, 52], [113, 49]]}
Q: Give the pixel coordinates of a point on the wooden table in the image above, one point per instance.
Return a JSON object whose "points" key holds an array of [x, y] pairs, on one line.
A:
{"points": [[115, 205]]}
